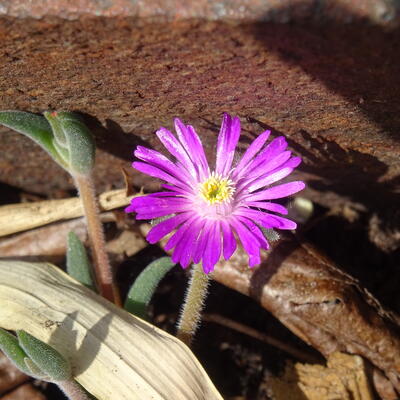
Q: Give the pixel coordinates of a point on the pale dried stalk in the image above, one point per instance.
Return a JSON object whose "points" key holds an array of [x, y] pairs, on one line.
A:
{"points": [[23, 216]]}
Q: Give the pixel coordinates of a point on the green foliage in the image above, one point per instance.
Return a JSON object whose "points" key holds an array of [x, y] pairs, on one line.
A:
{"points": [[47, 359], [35, 127], [78, 265], [34, 357], [144, 286], [72, 135], [270, 234], [10, 347], [62, 134]]}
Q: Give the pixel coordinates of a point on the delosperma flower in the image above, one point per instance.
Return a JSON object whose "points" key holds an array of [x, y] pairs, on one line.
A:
{"points": [[211, 209]]}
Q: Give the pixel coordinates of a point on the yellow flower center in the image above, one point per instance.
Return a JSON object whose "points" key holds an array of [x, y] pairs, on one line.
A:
{"points": [[216, 189]]}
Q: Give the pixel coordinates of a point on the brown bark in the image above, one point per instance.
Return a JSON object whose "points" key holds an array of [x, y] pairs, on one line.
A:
{"points": [[321, 304]]}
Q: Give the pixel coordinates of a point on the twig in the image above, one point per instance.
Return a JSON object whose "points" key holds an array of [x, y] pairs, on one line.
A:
{"points": [[237, 326]]}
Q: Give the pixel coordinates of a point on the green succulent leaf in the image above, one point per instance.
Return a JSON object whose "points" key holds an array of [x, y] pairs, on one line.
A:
{"points": [[270, 234], [35, 371], [142, 290], [47, 359], [72, 135], [78, 265], [10, 347], [35, 127]]}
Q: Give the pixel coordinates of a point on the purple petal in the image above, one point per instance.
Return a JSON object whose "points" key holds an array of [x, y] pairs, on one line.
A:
{"points": [[178, 235], [229, 240], [293, 162], [145, 213], [254, 148], [275, 221], [184, 232], [157, 199], [176, 149], [256, 231], [277, 192], [202, 241], [212, 250], [265, 219], [149, 207], [187, 247], [157, 173], [227, 141], [221, 142], [278, 145], [158, 160], [269, 179], [268, 206], [190, 140], [199, 150], [268, 165], [249, 242], [141, 200], [163, 228], [177, 190]]}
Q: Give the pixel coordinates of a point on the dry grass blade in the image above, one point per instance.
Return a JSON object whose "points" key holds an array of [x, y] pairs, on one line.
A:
{"points": [[114, 355], [31, 215]]}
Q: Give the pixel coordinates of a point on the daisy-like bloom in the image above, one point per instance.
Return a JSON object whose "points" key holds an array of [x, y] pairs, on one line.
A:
{"points": [[213, 209]]}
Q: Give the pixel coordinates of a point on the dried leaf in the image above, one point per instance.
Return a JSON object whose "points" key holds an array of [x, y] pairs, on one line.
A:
{"points": [[321, 304], [127, 243], [114, 355], [344, 378]]}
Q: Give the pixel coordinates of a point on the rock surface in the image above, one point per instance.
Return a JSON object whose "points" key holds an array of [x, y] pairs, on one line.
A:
{"points": [[334, 90], [379, 11]]}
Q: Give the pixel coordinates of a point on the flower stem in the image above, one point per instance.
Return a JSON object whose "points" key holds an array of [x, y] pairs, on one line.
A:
{"points": [[103, 271], [196, 294], [73, 390]]}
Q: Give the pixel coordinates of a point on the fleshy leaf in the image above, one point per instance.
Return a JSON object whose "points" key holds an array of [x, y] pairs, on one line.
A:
{"points": [[144, 286], [48, 360], [72, 134], [78, 265], [35, 127], [35, 371], [270, 234], [10, 347]]}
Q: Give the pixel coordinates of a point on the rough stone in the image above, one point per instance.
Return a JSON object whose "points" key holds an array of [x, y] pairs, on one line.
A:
{"points": [[379, 11], [334, 90]]}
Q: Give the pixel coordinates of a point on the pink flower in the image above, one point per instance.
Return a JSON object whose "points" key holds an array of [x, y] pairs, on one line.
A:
{"points": [[212, 209]]}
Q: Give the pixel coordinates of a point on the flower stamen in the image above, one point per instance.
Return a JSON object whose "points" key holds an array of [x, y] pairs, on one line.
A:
{"points": [[216, 189]]}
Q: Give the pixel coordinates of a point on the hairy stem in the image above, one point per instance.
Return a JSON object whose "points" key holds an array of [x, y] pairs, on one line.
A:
{"points": [[196, 294], [103, 271], [73, 390]]}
